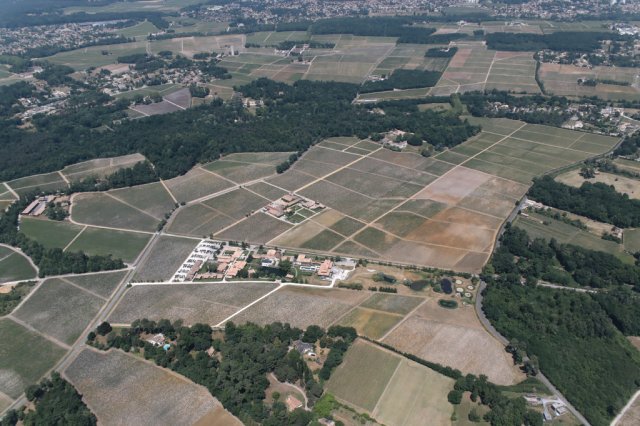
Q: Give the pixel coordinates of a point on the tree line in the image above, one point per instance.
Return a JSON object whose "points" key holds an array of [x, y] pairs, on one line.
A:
{"points": [[597, 201], [403, 79], [247, 354], [571, 41]]}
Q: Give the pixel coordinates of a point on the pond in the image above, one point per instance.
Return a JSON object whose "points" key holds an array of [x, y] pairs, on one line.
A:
{"points": [[447, 286]]}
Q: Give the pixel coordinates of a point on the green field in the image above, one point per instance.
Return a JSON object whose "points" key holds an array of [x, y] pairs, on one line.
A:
{"points": [[139, 30], [14, 266], [103, 210], [120, 244], [24, 357], [363, 375], [49, 233], [565, 233], [81, 59], [60, 310], [370, 323], [392, 303]]}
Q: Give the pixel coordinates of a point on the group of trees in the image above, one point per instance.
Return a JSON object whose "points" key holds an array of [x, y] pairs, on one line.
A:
{"points": [[403, 79], [563, 264], [569, 41], [141, 173], [574, 339], [55, 402], [391, 26], [247, 354], [441, 52], [50, 261], [596, 201]]}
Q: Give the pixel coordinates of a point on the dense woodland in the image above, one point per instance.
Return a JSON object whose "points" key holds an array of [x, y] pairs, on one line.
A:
{"points": [[563, 264], [294, 118], [571, 41], [574, 340], [248, 353], [596, 201], [51, 261], [56, 402]]}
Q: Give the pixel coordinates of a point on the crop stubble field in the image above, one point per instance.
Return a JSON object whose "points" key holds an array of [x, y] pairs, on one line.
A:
{"points": [[122, 389]]}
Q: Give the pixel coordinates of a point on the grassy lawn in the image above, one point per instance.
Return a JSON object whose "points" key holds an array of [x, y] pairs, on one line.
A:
{"points": [[49, 233], [24, 357]]}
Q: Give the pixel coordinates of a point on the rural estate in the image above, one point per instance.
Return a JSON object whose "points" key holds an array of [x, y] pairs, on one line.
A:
{"points": [[306, 213]]}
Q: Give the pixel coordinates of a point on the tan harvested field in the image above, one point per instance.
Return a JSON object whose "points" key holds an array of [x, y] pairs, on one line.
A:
{"points": [[122, 389], [562, 80], [454, 338], [164, 258], [100, 167], [193, 303], [632, 416], [195, 184], [302, 307], [622, 184], [392, 389]]}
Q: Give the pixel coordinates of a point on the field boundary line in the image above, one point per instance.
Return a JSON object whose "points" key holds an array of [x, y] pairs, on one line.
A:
{"points": [[164, 185], [75, 238], [221, 323], [384, 391], [10, 189], [353, 308], [38, 332], [83, 289], [131, 205], [625, 408], [410, 313], [590, 154], [27, 297], [219, 176], [5, 396], [7, 256], [21, 253], [64, 178]]}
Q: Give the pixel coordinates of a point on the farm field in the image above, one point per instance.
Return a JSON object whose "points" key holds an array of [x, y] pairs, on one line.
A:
{"points": [[119, 244], [164, 258], [474, 67], [454, 338], [102, 283], [24, 357], [151, 198], [631, 240], [104, 210], [14, 266], [518, 151], [44, 182], [301, 307], [81, 59], [569, 234], [193, 303], [100, 167], [64, 320], [122, 389], [628, 165], [562, 80], [382, 382], [622, 184], [196, 183], [632, 416]]}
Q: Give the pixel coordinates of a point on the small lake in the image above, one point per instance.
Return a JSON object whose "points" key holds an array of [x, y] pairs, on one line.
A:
{"points": [[446, 285]]}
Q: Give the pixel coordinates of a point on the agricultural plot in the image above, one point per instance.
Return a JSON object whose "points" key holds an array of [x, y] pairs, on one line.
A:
{"points": [[100, 167], [45, 182], [151, 198], [64, 320], [102, 284], [49, 233], [164, 258], [25, 357], [454, 338], [195, 184], [122, 389], [562, 80], [81, 59], [14, 266], [193, 303], [102, 209], [622, 184], [119, 244], [158, 108], [370, 323], [256, 228], [394, 390], [302, 307], [538, 226], [244, 167], [474, 67], [198, 220]]}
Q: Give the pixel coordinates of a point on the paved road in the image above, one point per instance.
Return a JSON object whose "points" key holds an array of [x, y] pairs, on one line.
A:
{"points": [[487, 325]]}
